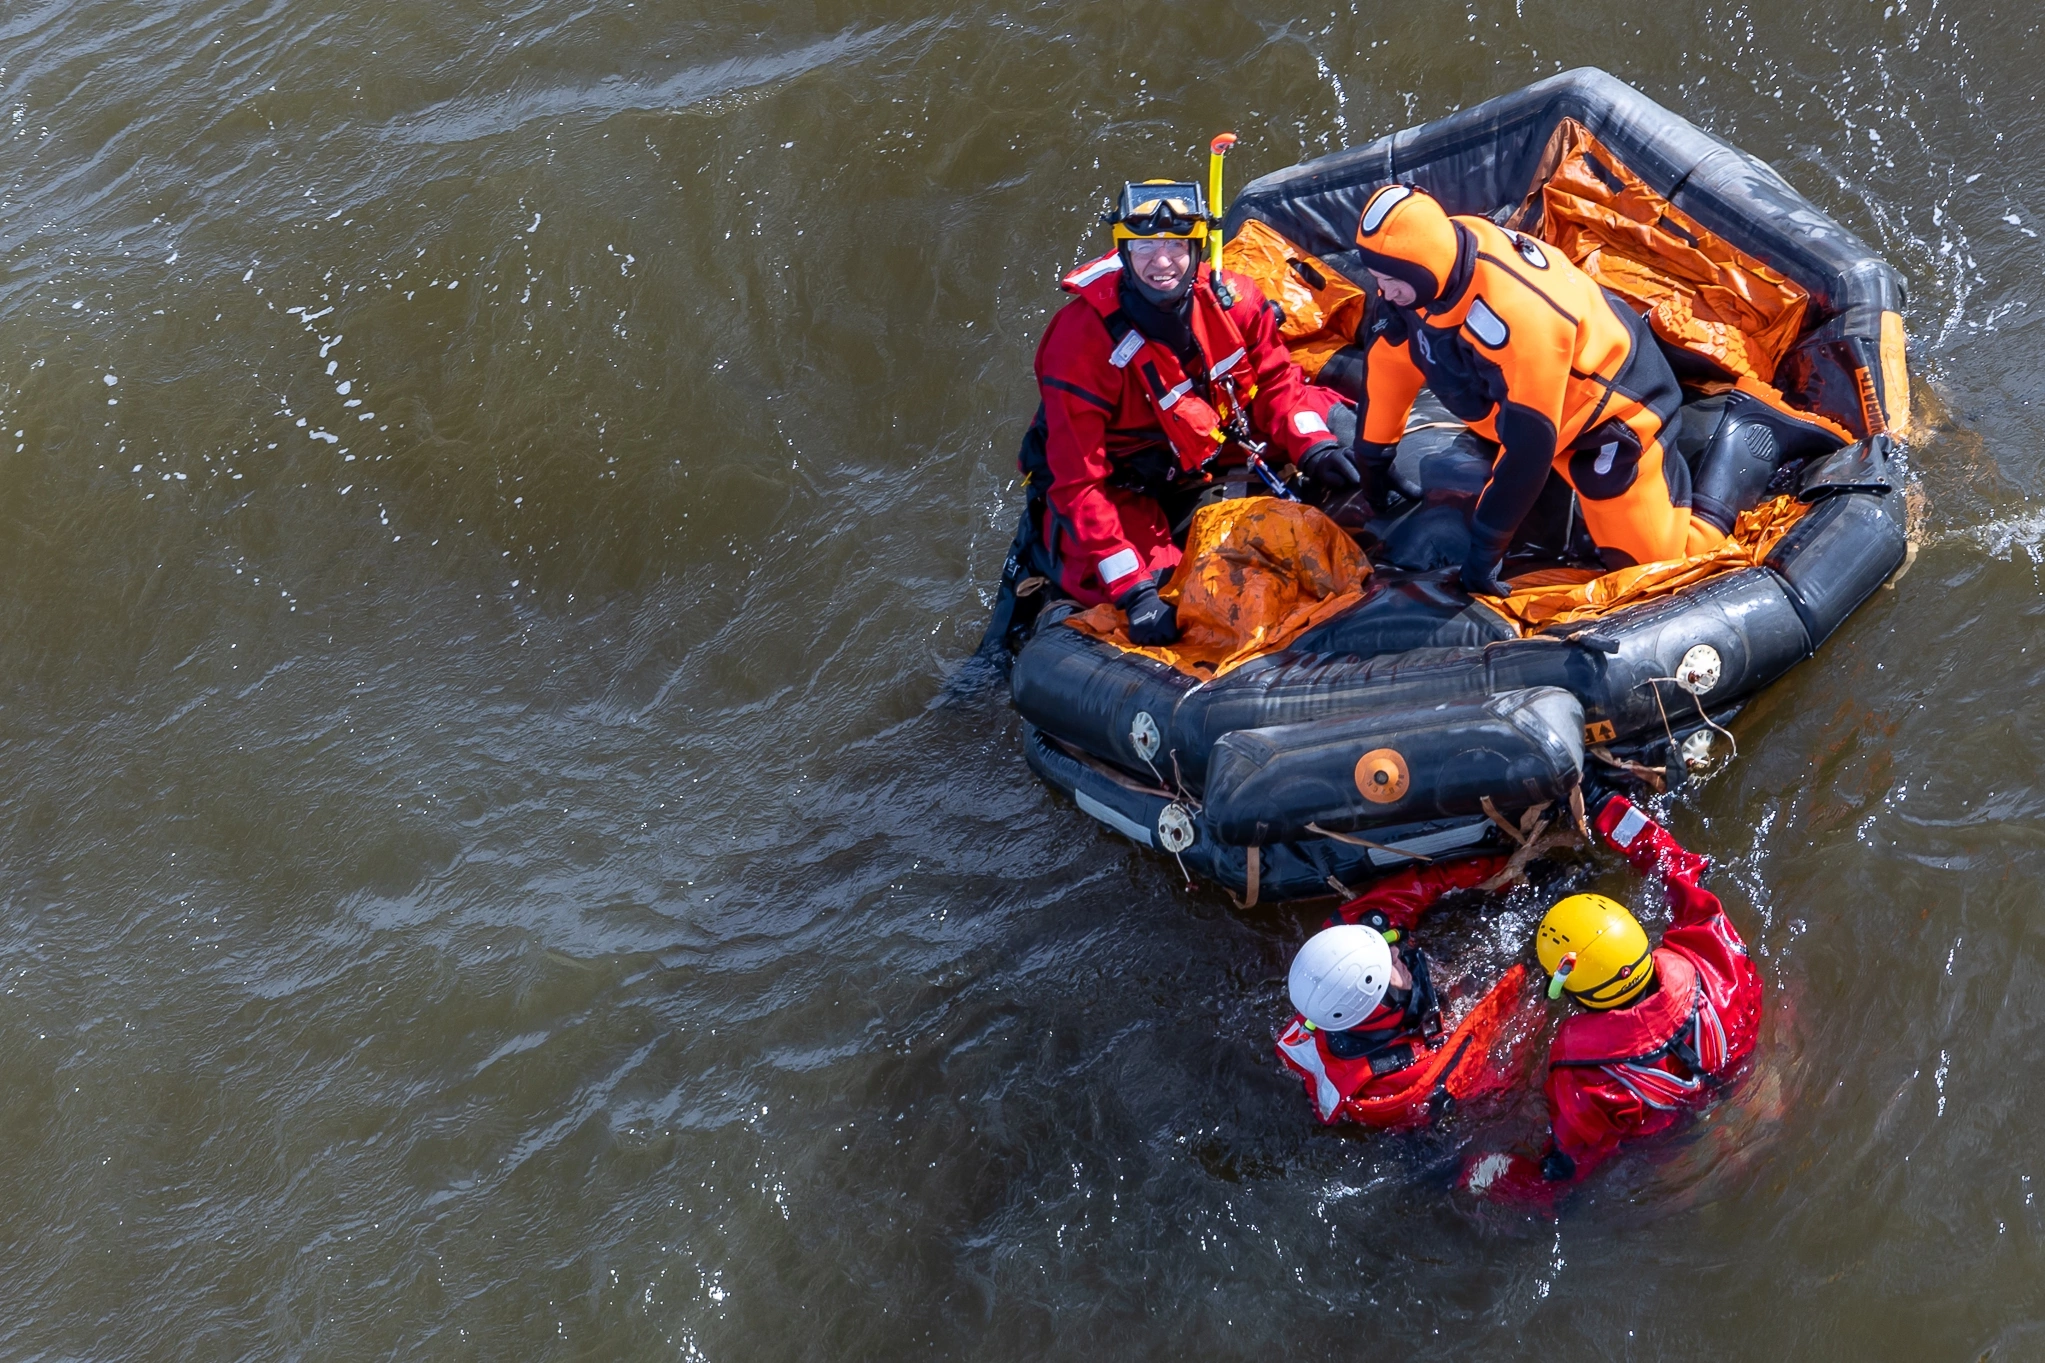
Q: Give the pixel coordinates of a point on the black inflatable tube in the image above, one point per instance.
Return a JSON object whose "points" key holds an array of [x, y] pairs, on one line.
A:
{"points": [[1392, 767], [1748, 622], [1752, 621], [1089, 693], [1288, 870], [1834, 558]]}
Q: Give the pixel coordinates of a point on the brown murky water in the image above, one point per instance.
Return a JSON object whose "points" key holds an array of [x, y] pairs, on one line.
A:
{"points": [[492, 496]]}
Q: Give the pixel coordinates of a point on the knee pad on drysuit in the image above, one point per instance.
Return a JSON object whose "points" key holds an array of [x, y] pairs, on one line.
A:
{"points": [[1753, 441]]}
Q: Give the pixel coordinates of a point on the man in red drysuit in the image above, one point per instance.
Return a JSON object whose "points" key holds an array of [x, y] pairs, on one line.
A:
{"points": [[1154, 367], [1660, 1024], [1367, 1039]]}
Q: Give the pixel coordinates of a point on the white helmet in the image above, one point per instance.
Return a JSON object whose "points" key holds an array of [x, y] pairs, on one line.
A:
{"points": [[1340, 975]]}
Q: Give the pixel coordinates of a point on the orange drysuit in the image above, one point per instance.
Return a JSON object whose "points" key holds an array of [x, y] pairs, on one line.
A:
{"points": [[1530, 352]]}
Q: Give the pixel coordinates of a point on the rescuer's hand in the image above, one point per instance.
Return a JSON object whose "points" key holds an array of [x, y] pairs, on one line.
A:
{"points": [[1509, 1179], [1480, 570], [1328, 464], [1151, 621], [1374, 462]]}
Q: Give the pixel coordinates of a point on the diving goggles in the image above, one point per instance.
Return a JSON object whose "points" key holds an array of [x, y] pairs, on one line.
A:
{"points": [[1160, 208]]}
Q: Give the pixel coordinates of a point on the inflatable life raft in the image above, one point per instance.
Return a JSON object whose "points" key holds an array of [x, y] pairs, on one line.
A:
{"points": [[1377, 714]]}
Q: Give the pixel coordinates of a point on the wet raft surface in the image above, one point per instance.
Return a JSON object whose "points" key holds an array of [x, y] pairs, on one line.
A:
{"points": [[509, 893]]}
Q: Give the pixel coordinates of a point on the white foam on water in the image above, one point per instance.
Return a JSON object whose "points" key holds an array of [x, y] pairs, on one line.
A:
{"points": [[2005, 535]]}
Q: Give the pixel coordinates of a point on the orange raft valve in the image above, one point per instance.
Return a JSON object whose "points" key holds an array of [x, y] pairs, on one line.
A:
{"points": [[1382, 776]]}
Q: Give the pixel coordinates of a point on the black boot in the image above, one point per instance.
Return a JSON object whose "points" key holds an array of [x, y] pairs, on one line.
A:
{"points": [[1753, 441]]}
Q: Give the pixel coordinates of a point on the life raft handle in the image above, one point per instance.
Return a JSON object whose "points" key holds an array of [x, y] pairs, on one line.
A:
{"points": [[1591, 639], [1588, 638]]}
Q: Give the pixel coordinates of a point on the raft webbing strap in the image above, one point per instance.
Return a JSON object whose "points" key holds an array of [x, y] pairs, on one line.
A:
{"points": [[1252, 874], [1355, 841]]}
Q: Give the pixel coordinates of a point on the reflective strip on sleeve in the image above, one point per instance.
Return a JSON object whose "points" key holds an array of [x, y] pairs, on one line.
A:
{"points": [[1119, 565], [1710, 1044], [1094, 271], [1630, 826], [1171, 399], [1309, 423], [1655, 1088], [1296, 1044], [1231, 362]]}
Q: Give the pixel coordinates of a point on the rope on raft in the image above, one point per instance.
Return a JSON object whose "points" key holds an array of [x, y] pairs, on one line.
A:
{"points": [[1695, 700], [1655, 778], [1533, 838], [1355, 841]]}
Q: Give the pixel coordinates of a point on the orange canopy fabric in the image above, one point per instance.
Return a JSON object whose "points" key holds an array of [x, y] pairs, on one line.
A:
{"points": [[1698, 290], [1318, 320], [1560, 603], [1258, 572]]}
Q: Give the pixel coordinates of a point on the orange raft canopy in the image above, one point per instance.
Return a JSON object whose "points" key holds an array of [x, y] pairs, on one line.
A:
{"points": [[1325, 715]]}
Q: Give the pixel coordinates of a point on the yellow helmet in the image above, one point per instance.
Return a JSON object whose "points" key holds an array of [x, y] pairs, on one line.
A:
{"points": [[1594, 949]]}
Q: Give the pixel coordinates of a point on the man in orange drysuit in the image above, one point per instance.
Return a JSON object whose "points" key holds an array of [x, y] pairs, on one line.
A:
{"points": [[1661, 1024], [1534, 355], [1140, 377]]}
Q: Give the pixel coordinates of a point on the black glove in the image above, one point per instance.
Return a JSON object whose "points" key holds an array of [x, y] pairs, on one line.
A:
{"points": [[1480, 569], [1151, 621], [1374, 462], [1328, 464]]}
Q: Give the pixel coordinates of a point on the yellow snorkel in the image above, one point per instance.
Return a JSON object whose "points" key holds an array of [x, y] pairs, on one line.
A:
{"points": [[1216, 149]]}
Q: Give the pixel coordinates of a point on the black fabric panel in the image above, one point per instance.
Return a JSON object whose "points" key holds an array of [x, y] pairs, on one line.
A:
{"points": [[1482, 161], [1095, 398]]}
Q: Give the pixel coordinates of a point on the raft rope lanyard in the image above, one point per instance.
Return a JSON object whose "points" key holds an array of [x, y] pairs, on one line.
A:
{"points": [[1162, 788], [1238, 431], [1654, 777], [1536, 836], [1695, 700], [1355, 841], [1177, 789]]}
